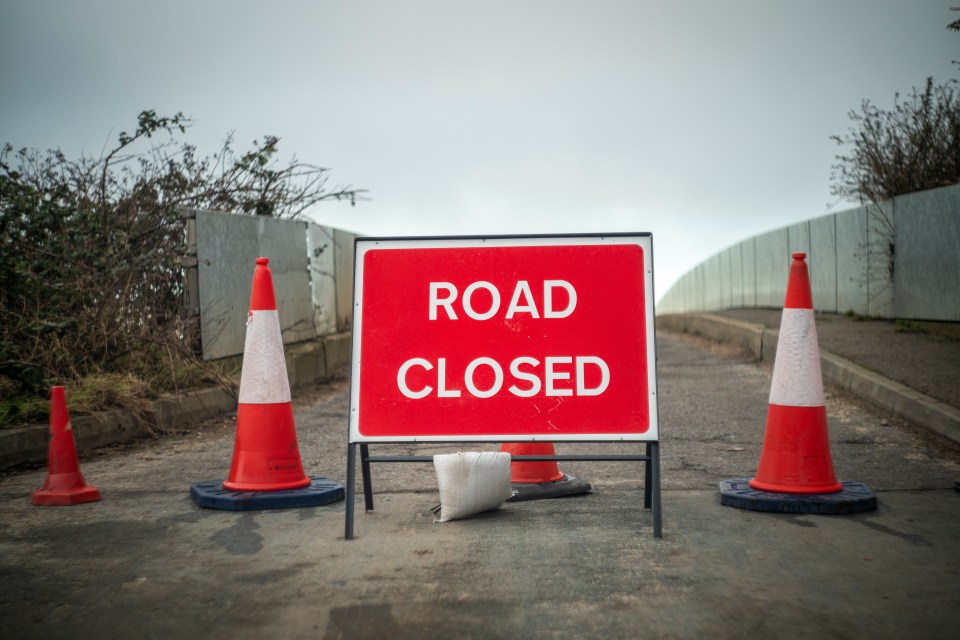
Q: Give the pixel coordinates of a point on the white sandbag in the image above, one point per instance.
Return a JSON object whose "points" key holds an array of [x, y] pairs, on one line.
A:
{"points": [[472, 482]]}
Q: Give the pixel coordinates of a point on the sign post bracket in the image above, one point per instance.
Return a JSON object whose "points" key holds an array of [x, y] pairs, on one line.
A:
{"points": [[651, 489]]}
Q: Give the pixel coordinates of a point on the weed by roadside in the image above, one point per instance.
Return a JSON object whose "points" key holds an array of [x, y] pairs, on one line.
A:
{"points": [[102, 391]]}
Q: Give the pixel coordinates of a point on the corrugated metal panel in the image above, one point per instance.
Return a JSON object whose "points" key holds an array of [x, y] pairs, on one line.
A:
{"points": [[323, 281], [227, 248], [928, 255], [343, 259]]}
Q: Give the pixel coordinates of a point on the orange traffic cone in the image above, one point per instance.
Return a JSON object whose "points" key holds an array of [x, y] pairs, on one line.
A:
{"points": [[532, 472], [539, 479], [796, 449], [266, 472], [64, 485], [266, 456]]}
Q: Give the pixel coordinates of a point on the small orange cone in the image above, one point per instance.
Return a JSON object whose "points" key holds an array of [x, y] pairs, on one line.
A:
{"points": [[531, 472], [796, 449], [539, 479], [266, 456], [64, 485]]}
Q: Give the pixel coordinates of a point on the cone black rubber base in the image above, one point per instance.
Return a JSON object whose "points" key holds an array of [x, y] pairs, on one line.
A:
{"points": [[855, 498], [212, 495], [569, 486]]}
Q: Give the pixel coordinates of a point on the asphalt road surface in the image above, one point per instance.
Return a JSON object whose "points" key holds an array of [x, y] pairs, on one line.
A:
{"points": [[146, 562]]}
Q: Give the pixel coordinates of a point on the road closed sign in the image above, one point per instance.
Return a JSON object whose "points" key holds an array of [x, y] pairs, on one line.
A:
{"points": [[504, 339]]}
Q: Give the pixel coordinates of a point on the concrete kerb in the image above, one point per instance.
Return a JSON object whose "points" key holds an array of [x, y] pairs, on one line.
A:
{"points": [[889, 394], [307, 363], [745, 335], [762, 344]]}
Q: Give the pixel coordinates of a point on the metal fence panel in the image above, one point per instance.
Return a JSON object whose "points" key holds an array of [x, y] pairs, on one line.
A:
{"points": [[736, 275], [852, 261], [748, 249], [773, 265], [227, 248], [823, 263], [713, 286], [323, 280], [897, 259], [880, 256], [798, 238], [927, 269], [343, 259]]}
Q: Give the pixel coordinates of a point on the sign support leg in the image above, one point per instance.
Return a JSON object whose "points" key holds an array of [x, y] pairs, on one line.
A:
{"points": [[648, 479], [351, 489], [654, 467], [365, 472]]}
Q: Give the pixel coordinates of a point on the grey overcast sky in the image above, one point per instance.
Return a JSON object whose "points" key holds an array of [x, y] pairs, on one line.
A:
{"points": [[704, 122]]}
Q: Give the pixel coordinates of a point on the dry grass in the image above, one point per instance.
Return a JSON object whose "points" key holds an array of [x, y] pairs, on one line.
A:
{"points": [[105, 391]]}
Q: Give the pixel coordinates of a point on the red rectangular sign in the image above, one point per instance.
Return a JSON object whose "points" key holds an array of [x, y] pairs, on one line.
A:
{"points": [[500, 339]]}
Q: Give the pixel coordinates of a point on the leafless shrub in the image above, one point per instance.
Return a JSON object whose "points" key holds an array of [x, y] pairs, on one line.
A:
{"points": [[91, 247], [911, 147]]}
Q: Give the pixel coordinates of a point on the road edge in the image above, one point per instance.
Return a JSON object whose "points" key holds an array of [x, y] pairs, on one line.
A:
{"points": [[761, 343], [307, 363]]}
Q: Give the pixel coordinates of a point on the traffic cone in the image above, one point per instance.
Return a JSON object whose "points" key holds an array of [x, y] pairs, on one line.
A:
{"points": [[64, 485], [266, 456], [266, 471], [538, 479], [796, 449], [795, 474], [532, 472]]}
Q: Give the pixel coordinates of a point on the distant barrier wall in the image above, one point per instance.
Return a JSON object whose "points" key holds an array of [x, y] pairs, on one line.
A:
{"points": [[312, 268], [898, 259]]}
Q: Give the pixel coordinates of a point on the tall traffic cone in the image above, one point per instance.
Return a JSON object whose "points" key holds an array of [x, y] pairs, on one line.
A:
{"points": [[532, 472], [796, 448], [64, 485], [537, 479], [266, 471], [795, 474], [266, 456]]}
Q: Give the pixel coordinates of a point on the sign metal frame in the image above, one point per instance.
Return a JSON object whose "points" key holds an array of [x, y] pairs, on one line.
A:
{"points": [[650, 434]]}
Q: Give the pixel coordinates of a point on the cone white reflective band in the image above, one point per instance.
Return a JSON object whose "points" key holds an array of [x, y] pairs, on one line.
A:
{"points": [[263, 379], [797, 380]]}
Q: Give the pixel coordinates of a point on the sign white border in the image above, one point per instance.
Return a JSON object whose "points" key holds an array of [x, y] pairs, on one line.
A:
{"points": [[362, 245]]}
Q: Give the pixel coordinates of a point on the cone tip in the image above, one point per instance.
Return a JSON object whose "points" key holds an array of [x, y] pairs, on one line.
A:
{"points": [[799, 256], [263, 261]]}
